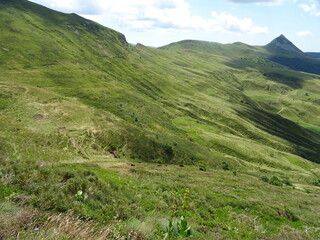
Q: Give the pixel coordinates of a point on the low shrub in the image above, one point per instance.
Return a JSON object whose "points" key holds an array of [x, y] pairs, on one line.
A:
{"points": [[286, 180], [276, 181], [316, 183], [265, 179], [61, 188], [225, 166]]}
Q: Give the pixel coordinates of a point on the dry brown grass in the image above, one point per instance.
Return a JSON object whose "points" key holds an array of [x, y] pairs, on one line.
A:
{"points": [[76, 228], [72, 227], [12, 224], [288, 233], [28, 224]]}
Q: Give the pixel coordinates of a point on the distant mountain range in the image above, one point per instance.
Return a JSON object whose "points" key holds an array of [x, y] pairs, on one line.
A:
{"points": [[280, 50]]}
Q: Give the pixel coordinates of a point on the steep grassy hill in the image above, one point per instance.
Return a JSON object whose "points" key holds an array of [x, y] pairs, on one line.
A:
{"points": [[136, 138]]}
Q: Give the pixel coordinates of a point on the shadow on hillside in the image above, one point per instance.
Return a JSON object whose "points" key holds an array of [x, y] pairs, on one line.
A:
{"points": [[304, 64], [291, 81], [269, 70], [305, 142]]}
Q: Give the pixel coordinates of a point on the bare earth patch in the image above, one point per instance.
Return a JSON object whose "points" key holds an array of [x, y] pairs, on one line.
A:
{"points": [[38, 117]]}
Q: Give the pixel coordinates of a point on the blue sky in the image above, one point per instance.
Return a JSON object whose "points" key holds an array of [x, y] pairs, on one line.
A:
{"points": [[159, 22]]}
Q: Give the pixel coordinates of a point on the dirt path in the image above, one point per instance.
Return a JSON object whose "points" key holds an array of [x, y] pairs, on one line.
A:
{"points": [[104, 161], [280, 110]]}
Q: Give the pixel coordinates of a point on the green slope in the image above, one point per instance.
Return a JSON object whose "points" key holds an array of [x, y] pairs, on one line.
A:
{"points": [[74, 94]]}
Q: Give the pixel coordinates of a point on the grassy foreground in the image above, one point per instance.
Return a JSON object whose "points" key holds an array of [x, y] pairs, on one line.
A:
{"points": [[138, 201]]}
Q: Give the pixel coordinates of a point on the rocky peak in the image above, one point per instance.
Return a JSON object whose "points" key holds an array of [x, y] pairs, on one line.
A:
{"points": [[283, 44]]}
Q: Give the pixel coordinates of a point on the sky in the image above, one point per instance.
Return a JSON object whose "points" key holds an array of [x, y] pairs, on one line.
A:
{"points": [[160, 22]]}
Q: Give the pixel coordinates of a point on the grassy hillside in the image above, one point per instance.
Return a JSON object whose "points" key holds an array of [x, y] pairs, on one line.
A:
{"points": [[123, 141]]}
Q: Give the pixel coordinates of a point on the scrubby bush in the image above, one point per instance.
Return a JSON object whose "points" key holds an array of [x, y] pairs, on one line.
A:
{"points": [[286, 180], [61, 188], [316, 183], [225, 166], [276, 181], [202, 165], [265, 179]]}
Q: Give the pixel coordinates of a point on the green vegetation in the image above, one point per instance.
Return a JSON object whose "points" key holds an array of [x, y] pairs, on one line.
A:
{"points": [[197, 140]]}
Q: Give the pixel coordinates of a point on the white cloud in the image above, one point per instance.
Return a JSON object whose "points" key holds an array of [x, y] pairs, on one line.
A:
{"points": [[155, 15], [260, 2], [229, 23], [78, 6], [304, 33], [311, 6]]}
